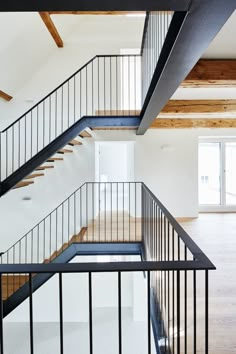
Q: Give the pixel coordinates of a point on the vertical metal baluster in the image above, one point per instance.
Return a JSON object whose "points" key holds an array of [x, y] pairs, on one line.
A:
{"points": [[0, 156], [13, 147], [32, 246], [44, 240], [38, 128], [117, 185], [25, 137], [111, 211], [92, 90], [56, 229], [50, 117], [123, 212], [98, 89], [135, 211], [62, 227], [86, 73], [7, 153], [68, 93], [116, 85], [31, 314], [74, 97], [129, 83], [206, 310], [61, 314], [105, 219], [43, 123], [110, 88], [129, 213], [119, 314], [68, 217], [185, 303], [178, 310], [19, 144], [56, 114], [62, 108], [90, 313], [99, 198], [93, 210], [149, 312], [75, 214], [194, 313], [1, 314], [31, 137], [104, 72]]}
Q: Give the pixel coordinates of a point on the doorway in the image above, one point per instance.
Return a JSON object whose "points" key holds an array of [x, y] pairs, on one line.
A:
{"points": [[114, 162], [217, 174]]}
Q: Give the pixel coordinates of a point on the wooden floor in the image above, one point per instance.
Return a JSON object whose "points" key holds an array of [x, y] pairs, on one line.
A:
{"points": [[215, 234]]}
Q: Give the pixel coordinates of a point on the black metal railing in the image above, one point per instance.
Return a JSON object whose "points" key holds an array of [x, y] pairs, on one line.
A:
{"points": [[126, 212], [180, 293], [155, 31], [108, 85], [104, 211]]}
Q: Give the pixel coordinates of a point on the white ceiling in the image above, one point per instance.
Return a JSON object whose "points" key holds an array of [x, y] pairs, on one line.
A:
{"points": [[26, 46]]}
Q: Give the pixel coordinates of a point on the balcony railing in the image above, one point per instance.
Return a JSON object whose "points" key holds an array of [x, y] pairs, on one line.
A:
{"points": [[121, 212]]}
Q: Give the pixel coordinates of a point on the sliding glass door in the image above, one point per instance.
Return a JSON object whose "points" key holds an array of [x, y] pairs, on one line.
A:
{"points": [[217, 175]]}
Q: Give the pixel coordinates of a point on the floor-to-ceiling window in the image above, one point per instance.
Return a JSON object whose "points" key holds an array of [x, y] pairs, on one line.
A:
{"points": [[217, 174]]}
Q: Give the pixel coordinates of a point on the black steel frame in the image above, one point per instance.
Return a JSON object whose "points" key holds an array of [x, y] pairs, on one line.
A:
{"points": [[83, 5]]}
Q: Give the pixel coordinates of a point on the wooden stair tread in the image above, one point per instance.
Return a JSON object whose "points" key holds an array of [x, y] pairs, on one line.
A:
{"points": [[40, 168], [85, 134], [34, 175], [52, 159], [23, 184], [74, 142], [64, 151]]}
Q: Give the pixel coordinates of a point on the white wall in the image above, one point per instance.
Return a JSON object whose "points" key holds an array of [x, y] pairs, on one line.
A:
{"points": [[41, 72], [166, 160]]}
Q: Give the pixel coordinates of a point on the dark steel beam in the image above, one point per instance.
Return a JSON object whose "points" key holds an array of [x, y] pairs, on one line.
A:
{"points": [[95, 5], [188, 42]]}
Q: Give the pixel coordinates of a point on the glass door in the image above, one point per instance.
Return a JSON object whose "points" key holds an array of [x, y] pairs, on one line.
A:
{"points": [[217, 175], [209, 174], [230, 173]]}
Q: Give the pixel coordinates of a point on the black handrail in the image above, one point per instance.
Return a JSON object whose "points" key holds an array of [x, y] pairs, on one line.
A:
{"points": [[64, 82]]}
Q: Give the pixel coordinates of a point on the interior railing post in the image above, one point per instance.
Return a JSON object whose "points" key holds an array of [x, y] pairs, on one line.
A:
{"points": [[178, 310], [90, 313], [1, 315], [61, 314], [206, 310], [149, 312], [119, 314], [31, 314]]}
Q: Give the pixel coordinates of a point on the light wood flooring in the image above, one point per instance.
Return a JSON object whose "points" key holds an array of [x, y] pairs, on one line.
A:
{"points": [[215, 234]]}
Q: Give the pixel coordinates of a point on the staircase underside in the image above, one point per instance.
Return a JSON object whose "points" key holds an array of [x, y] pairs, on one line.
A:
{"points": [[62, 140]]}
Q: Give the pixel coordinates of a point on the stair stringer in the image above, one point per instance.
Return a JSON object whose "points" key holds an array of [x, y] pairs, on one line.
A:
{"points": [[61, 141]]}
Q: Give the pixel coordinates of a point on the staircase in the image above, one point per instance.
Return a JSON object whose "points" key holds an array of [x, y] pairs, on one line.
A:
{"points": [[106, 91], [28, 180]]}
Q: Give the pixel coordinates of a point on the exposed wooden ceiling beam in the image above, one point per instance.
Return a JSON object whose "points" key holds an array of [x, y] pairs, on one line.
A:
{"points": [[212, 73], [183, 123], [51, 28], [5, 96], [222, 108], [96, 12]]}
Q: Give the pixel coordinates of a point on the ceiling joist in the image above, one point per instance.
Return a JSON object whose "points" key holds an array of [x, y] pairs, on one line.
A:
{"points": [[51, 28], [212, 73], [5, 96], [206, 108], [178, 123]]}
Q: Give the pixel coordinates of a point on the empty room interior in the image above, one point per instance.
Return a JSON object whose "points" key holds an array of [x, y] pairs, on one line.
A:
{"points": [[118, 177]]}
